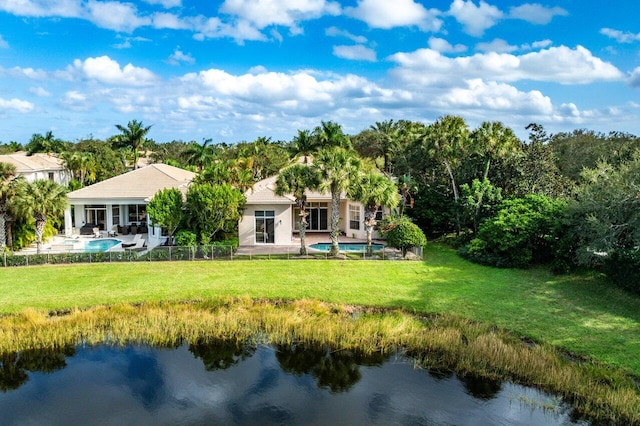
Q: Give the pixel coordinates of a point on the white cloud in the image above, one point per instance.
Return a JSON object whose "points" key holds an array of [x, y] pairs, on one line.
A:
{"points": [[536, 13], [75, 101], [288, 13], [556, 64], [494, 96], [42, 8], [16, 104], [398, 13], [620, 36], [337, 32], [443, 46], [475, 19], [108, 71], [163, 20], [39, 91], [3, 43], [356, 52], [115, 16], [541, 44], [178, 57], [28, 73], [167, 4], [496, 45]]}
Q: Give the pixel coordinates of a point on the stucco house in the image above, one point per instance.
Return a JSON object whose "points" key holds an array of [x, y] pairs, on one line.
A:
{"points": [[120, 204], [270, 219], [38, 167]]}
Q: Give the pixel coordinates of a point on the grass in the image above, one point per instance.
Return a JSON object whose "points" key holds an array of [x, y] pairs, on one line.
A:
{"points": [[579, 313], [440, 342]]}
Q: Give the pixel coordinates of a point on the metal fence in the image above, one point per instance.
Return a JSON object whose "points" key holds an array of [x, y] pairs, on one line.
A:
{"points": [[198, 253]]}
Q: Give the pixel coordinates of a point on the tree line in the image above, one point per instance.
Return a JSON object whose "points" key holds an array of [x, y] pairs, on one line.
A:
{"points": [[569, 199]]}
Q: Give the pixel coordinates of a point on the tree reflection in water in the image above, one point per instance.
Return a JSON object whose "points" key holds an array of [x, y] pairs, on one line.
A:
{"points": [[336, 370], [14, 366], [221, 354]]}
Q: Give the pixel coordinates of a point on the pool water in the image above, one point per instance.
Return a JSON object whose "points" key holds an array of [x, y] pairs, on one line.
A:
{"points": [[353, 247], [100, 245]]}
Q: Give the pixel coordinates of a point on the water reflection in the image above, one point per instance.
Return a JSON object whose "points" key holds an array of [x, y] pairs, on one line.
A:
{"points": [[224, 383], [337, 371], [14, 366]]}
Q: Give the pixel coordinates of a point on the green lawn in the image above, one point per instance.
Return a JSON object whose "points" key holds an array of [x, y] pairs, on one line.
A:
{"points": [[579, 313]]}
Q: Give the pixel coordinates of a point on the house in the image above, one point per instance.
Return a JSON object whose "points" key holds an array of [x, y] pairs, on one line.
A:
{"points": [[120, 203], [272, 219], [38, 167]]}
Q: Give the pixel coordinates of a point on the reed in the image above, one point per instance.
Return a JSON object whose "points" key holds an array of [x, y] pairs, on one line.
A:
{"points": [[441, 342]]}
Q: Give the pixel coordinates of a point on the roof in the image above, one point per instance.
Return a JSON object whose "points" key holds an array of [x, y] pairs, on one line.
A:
{"points": [[141, 183], [32, 163], [263, 192]]}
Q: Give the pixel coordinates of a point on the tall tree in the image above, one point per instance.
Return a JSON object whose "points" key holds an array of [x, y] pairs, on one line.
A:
{"points": [[213, 208], [134, 137], [374, 190], [338, 168], [303, 145], [296, 180], [166, 210], [42, 200], [47, 144], [389, 134], [8, 184], [200, 155], [329, 134], [447, 142]]}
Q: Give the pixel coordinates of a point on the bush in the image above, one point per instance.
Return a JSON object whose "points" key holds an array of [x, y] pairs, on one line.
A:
{"points": [[403, 234], [186, 238], [522, 232], [622, 266]]}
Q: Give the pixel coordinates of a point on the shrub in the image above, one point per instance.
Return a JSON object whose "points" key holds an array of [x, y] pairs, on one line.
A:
{"points": [[522, 232], [186, 238], [403, 234], [622, 266]]}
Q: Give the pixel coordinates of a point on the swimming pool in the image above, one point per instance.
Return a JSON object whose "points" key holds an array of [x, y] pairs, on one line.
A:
{"points": [[352, 247], [100, 245]]}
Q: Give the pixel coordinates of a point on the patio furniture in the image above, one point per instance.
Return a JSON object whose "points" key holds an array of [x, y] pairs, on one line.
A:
{"points": [[87, 229], [134, 229], [113, 232], [123, 230], [96, 233]]}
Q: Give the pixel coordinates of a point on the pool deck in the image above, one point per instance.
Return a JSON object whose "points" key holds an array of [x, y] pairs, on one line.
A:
{"points": [[60, 243], [294, 247]]}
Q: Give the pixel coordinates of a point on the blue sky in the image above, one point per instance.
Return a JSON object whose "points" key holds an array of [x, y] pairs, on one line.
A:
{"points": [[235, 70]]}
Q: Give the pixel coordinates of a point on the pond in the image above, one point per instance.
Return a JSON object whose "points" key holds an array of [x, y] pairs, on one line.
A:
{"points": [[225, 383]]}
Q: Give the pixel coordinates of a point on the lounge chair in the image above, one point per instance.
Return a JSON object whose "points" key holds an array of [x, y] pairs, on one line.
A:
{"points": [[133, 243], [96, 233]]}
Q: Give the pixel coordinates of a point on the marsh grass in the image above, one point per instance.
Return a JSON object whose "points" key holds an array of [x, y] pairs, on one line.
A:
{"points": [[438, 342]]}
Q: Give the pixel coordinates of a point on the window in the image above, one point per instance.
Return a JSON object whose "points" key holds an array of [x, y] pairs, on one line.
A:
{"points": [[317, 217], [137, 213], [354, 216], [265, 226], [115, 214], [379, 214], [51, 176]]}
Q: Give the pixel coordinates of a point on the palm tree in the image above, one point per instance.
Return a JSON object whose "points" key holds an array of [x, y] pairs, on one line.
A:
{"points": [[446, 141], [133, 136], [388, 131], [374, 190], [42, 200], [338, 168], [8, 182], [493, 140], [296, 180], [303, 144], [200, 155], [406, 185], [329, 134]]}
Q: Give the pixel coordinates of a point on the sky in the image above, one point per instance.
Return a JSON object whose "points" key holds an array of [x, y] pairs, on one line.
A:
{"points": [[235, 70]]}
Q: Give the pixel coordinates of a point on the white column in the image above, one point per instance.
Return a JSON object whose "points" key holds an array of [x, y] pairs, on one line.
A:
{"points": [[68, 226]]}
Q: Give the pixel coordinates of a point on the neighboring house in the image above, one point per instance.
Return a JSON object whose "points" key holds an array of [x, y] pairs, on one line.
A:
{"points": [[38, 167], [272, 219], [121, 202]]}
